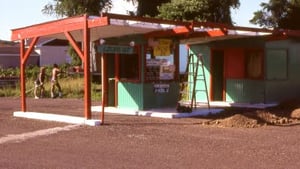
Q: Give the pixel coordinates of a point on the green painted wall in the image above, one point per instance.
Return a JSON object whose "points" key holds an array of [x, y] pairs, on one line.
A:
{"points": [[245, 91], [282, 75], [141, 96], [160, 100], [130, 95]]}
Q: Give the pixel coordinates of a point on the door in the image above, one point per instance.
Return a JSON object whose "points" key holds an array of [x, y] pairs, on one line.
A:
{"points": [[217, 75], [111, 79]]}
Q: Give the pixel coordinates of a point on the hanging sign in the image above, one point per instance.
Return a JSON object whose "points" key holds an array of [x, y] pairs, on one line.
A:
{"points": [[163, 48], [111, 49]]}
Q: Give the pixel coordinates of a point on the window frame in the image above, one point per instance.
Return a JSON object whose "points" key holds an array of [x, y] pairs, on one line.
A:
{"points": [[283, 67]]}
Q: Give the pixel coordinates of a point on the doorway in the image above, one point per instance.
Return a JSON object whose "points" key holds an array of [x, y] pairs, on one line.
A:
{"points": [[217, 75]]}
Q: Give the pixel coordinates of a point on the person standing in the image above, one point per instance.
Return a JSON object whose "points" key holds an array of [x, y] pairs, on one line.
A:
{"points": [[39, 84], [54, 81]]}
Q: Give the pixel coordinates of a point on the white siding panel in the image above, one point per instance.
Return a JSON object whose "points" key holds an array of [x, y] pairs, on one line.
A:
{"points": [[54, 54]]}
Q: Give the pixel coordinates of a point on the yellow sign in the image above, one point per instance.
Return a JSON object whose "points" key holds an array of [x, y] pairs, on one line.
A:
{"points": [[163, 48]]}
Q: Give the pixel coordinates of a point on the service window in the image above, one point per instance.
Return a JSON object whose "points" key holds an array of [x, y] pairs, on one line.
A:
{"points": [[129, 67], [160, 61]]}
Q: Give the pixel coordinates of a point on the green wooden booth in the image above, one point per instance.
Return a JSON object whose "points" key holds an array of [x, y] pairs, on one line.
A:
{"points": [[141, 73], [253, 69]]}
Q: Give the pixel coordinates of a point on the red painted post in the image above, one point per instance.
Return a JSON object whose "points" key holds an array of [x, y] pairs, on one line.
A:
{"points": [[87, 82], [22, 76], [104, 85]]}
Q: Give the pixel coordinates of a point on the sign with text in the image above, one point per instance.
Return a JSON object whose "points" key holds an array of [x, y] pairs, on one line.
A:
{"points": [[163, 48], [161, 88], [167, 72], [111, 49]]}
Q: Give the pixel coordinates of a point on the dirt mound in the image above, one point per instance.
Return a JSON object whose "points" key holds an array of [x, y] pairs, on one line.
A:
{"points": [[237, 120], [296, 113], [240, 118]]}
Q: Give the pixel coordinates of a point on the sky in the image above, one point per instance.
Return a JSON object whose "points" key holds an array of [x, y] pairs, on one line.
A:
{"points": [[18, 13]]}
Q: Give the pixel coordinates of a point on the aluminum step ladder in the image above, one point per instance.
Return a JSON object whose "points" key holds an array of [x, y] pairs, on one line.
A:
{"points": [[188, 91]]}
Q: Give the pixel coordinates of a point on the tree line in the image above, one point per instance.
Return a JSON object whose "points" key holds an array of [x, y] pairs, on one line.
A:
{"points": [[276, 14]]}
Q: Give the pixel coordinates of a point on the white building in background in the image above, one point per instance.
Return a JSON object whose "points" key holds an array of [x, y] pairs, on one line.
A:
{"points": [[53, 51]]}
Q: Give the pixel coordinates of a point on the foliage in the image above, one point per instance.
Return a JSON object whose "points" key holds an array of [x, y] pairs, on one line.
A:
{"points": [[10, 72], [149, 8], [10, 92], [198, 10], [67, 8], [146, 8], [76, 60], [278, 14], [72, 85], [183, 10]]}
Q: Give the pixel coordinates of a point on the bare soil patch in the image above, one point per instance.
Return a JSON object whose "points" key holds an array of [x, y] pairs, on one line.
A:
{"points": [[144, 142], [286, 113]]}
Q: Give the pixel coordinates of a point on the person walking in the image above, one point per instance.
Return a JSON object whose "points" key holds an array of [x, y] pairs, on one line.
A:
{"points": [[39, 88], [54, 81]]}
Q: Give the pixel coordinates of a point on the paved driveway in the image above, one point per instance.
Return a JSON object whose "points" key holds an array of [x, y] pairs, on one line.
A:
{"points": [[138, 142]]}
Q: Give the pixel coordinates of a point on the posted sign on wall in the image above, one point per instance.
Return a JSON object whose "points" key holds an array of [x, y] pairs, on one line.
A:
{"points": [[163, 48], [115, 49], [161, 88]]}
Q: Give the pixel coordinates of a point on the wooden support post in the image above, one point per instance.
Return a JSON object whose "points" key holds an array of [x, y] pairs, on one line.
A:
{"points": [[87, 81], [104, 85], [23, 58], [22, 76]]}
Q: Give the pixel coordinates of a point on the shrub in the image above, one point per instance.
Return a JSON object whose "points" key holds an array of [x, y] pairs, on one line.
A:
{"points": [[72, 85]]}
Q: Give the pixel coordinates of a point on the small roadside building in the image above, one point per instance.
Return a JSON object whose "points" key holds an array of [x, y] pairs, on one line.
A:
{"points": [[5, 43], [142, 71], [10, 57], [140, 60], [132, 75], [246, 68], [47, 51], [52, 51]]}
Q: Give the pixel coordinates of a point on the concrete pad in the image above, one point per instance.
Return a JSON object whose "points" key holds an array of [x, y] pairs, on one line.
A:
{"points": [[57, 118], [161, 113], [216, 107], [125, 111], [201, 110], [242, 105]]}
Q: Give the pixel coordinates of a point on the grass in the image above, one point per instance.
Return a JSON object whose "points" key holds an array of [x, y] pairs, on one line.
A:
{"points": [[72, 87]]}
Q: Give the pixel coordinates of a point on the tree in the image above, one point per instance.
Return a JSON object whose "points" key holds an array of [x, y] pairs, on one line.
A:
{"points": [[278, 14], [198, 10], [67, 8], [146, 8], [76, 61]]}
